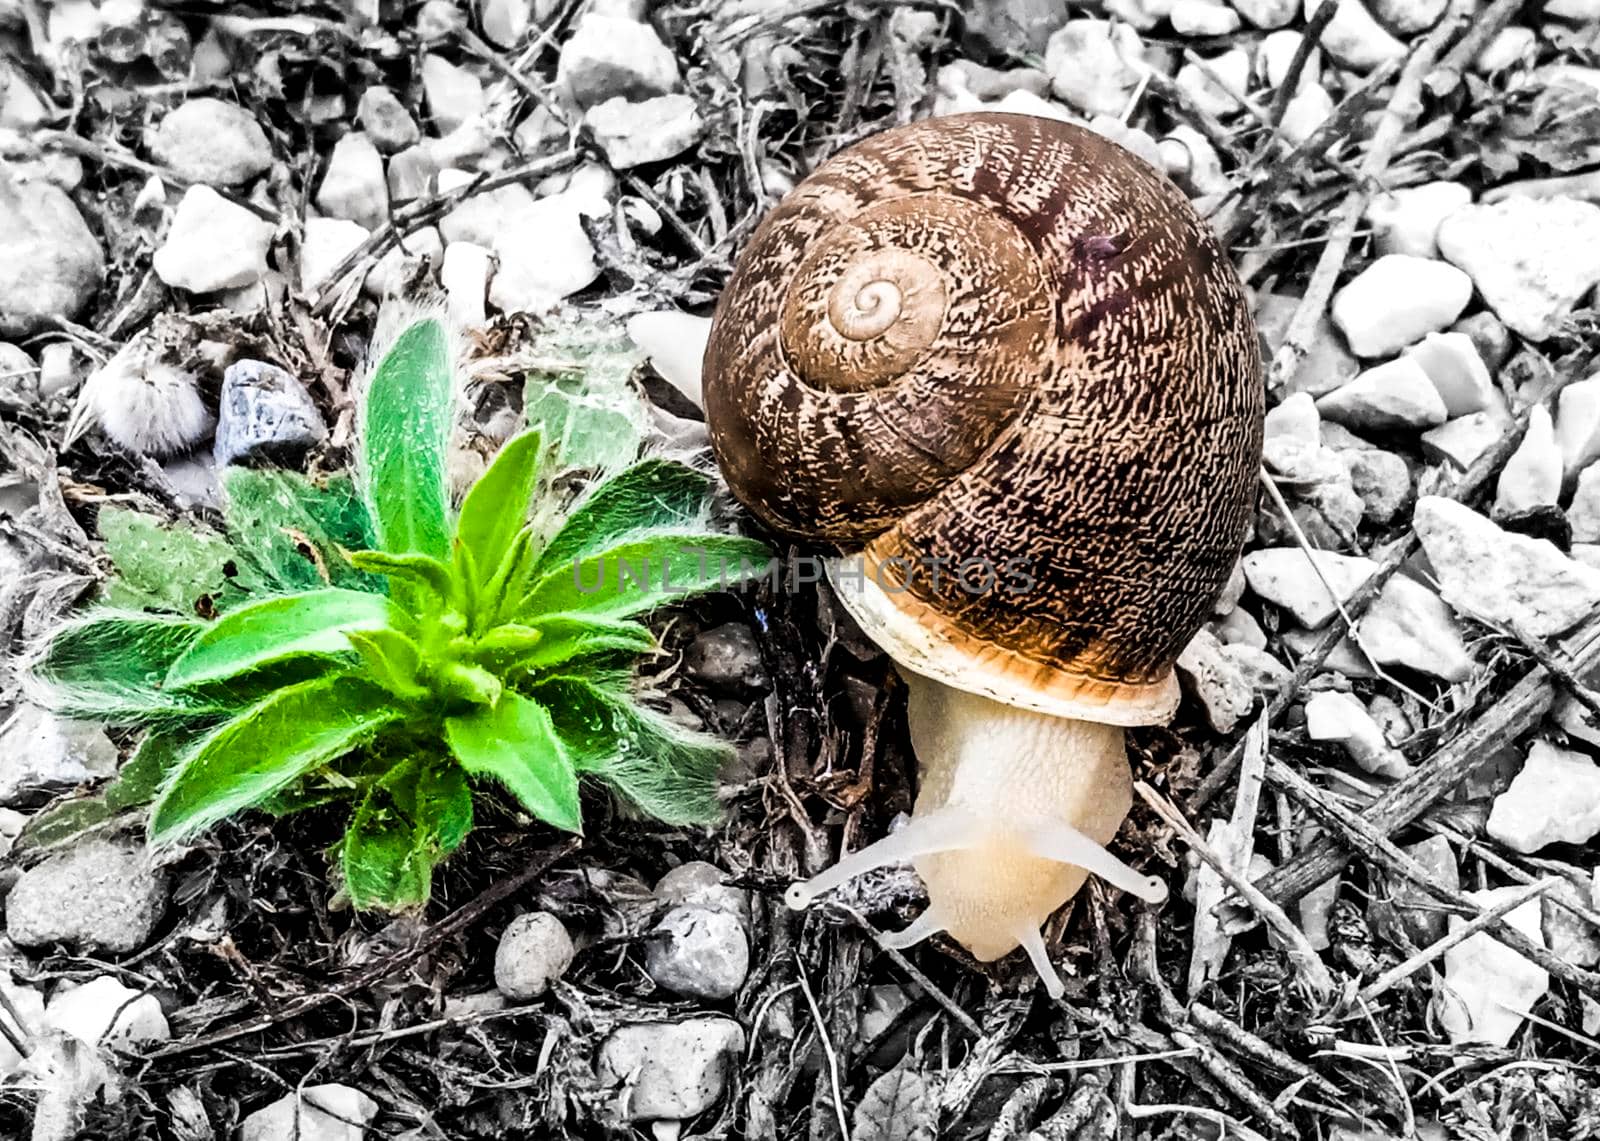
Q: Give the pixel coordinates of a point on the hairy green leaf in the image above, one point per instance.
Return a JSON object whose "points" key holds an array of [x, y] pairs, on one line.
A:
{"points": [[266, 748], [407, 412], [412, 818], [140, 780], [112, 665], [423, 571], [515, 743], [384, 865], [496, 508], [444, 802], [295, 531], [301, 625], [652, 495], [643, 574], [659, 767], [64, 822], [463, 683], [171, 568], [565, 637], [392, 660]]}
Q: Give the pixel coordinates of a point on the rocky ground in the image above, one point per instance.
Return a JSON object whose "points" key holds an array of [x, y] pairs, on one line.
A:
{"points": [[1380, 795]]}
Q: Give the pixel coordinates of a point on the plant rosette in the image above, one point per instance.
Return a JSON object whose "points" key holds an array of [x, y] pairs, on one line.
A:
{"points": [[377, 647]]}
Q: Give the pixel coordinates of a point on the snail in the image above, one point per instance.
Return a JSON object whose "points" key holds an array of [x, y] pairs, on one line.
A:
{"points": [[1000, 346]]}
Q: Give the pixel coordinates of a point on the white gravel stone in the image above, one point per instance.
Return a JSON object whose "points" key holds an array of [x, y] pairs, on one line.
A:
{"points": [[1232, 590], [1354, 38], [1287, 577], [1381, 479], [652, 130], [1555, 799], [698, 952], [28, 1003], [1327, 363], [1238, 627], [1406, 221], [1277, 52], [1346, 657], [1141, 14], [327, 242], [354, 186], [99, 895], [544, 256], [1216, 680], [385, 277], [1409, 625], [505, 22], [1569, 936], [1508, 578], [1399, 299], [1267, 13], [1308, 109], [1453, 364], [53, 263], [1463, 440], [453, 94], [669, 1070], [1216, 86], [1130, 139], [1189, 158], [1487, 987], [1395, 395], [1578, 424], [209, 141], [1531, 258], [465, 277], [213, 244], [316, 1113], [1509, 48], [104, 1012], [676, 344], [1203, 18], [609, 58], [1418, 915], [1341, 717], [386, 121], [41, 752], [1095, 65], [1390, 717], [535, 950], [1578, 10], [1408, 17], [1583, 513], [702, 884], [1532, 476]]}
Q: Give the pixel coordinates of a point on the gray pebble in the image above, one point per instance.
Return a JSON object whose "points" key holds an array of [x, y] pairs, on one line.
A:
{"points": [[52, 264], [698, 953], [99, 896], [265, 414], [534, 951], [669, 1070]]}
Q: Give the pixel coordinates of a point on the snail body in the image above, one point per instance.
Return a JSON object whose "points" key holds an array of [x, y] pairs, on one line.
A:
{"points": [[1002, 365]]}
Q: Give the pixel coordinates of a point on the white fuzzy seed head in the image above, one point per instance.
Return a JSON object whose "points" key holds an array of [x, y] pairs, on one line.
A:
{"points": [[144, 404]]}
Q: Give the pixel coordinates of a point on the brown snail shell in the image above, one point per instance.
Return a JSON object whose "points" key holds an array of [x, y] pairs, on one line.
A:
{"points": [[985, 338]]}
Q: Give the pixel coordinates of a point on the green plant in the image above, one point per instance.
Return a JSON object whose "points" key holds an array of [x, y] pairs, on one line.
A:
{"points": [[374, 646]]}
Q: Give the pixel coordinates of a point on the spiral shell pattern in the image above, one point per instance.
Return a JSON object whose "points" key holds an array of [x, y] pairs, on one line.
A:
{"points": [[999, 340]]}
